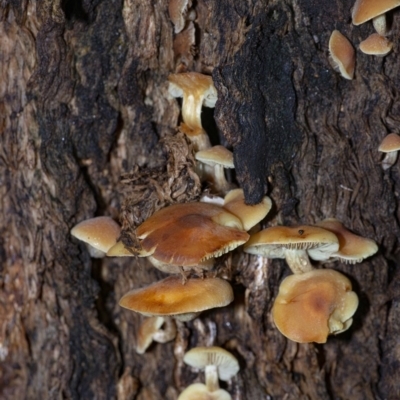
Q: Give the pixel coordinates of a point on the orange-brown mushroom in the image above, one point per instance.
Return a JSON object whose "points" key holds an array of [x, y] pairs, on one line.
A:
{"points": [[342, 54], [390, 145], [376, 45]]}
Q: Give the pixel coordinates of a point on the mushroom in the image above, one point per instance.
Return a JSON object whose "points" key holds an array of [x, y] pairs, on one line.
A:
{"points": [[380, 24], [199, 391], [217, 363], [250, 215], [188, 234], [364, 10], [151, 330], [177, 10], [376, 45], [352, 248], [197, 90], [219, 158], [389, 145], [99, 234], [293, 244], [342, 54], [313, 305], [183, 302]]}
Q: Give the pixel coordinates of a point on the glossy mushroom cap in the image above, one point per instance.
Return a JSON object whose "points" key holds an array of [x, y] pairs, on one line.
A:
{"points": [[293, 243], [390, 145], [364, 10], [197, 90], [170, 297], [250, 216], [199, 391], [342, 54], [100, 234], [352, 248], [190, 233], [376, 45], [313, 305]]}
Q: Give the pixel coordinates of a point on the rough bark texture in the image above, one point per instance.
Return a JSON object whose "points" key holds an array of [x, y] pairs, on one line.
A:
{"points": [[83, 101]]}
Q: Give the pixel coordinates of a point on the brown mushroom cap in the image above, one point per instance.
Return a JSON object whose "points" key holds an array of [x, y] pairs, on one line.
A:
{"points": [[190, 233], [250, 216], [146, 331], [390, 143], [177, 10], [216, 155], [376, 45], [313, 305], [352, 248], [100, 233], [364, 10], [170, 297], [342, 54], [199, 391]]}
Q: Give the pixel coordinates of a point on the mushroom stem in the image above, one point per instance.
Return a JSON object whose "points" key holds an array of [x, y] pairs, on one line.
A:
{"points": [[197, 136], [191, 111], [221, 185], [298, 261], [389, 159], [211, 373], [380, 24], [168, 333]]}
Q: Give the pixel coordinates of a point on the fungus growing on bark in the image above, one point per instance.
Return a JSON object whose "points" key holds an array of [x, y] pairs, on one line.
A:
{"points": [[197, 90], [177, 10], [352, 248], [342, 54], [364, 10], [185, 235], [313, 305], [216, 362], [150, 330], [376, 45], [250, 215], [199, 391], [99, 234], [219, 158], [293, 244], [390, 145]]}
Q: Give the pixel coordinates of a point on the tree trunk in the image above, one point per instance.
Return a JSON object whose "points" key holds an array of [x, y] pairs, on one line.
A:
{"points": [[83, 101]]}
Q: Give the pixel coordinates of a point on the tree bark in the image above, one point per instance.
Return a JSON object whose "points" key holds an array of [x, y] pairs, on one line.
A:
{"points": [[83, 101]]}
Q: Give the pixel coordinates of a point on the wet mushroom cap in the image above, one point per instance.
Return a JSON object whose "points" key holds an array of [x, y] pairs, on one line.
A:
{"points": [[216, 155], [101, 233], [390, 143], [313, 305], [364, 10], [199, 391], [170, 297], [250, 215], [200, 357], [190, 233], [352, 248], [342, 54], [376, 45]]}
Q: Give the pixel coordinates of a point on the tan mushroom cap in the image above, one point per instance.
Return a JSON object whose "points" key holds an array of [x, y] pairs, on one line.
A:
{"points": [[200, 357], [390, 143], [146, 331], [101, 233], [313, 305], [376, 45], [352, 248], [342, 54], [199, 391], [170, 297], [250, 216], [190, 233], [216, 155], [364, 10]]}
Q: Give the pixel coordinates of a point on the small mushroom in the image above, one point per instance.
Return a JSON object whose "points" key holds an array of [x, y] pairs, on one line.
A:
{"points": [[313, 305], [389, 145], [352, 248], [197, 90], [177, 10], [150, 330], [217, 363], [219, 158], [342, 54], [99, 234], [199, 391], [185, 235], [364, 10], [376, 45], [293, 244], [183, 302]]}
